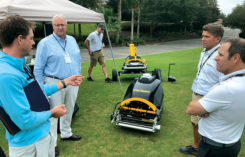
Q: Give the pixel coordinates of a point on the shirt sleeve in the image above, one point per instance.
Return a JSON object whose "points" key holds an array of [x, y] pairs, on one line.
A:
{"points": [[217, 98], [90, 37], [40, 61], [49, 89], [16, 105]]}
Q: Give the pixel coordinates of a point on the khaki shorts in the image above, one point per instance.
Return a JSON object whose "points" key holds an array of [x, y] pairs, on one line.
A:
{"points": [[97, 56], [195, 119]]}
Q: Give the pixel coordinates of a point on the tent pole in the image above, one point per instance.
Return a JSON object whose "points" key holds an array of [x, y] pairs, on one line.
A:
{"points": [[112, 54]]}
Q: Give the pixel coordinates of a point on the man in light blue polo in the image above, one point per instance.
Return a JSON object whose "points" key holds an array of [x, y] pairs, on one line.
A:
{"points": [[57, 57], [95, 46], [207, 76]]}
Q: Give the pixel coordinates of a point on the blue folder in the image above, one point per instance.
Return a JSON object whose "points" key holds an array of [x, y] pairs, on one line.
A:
{"points": [[37, 100]]}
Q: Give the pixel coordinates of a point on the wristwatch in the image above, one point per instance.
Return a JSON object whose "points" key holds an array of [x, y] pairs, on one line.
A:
{"points": [[63, 83]]}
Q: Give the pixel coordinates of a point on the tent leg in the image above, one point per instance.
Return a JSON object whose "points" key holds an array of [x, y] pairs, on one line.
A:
{"points": [[112, 54]]}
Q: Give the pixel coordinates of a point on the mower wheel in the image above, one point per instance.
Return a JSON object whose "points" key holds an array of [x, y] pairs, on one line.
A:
{"points": [[158, 74], [114, 75]]}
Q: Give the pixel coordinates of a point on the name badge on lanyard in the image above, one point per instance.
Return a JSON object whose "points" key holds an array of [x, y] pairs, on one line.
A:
{"points": [[67, 58]]}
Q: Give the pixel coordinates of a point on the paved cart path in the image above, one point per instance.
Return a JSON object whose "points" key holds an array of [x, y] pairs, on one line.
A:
{"points": [[122, 52]]}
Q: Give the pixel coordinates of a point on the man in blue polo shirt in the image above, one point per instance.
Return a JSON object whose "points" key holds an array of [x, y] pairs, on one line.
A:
{"points": [[33, 139]]}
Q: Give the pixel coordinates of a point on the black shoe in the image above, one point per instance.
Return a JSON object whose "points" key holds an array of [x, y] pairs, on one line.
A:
{"points": [[188, 150], [107, 80], [72, 138], [90, 79], [57, 152]]}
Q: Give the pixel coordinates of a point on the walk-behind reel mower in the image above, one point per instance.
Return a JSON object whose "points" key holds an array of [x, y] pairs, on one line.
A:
{"points": [[142, 104]]}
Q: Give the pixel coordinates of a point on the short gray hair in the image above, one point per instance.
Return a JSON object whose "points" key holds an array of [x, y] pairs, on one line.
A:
{"points": [[59, 15]]}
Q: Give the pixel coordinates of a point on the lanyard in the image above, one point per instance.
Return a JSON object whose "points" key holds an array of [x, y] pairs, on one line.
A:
{"points": [[202, 64], [238, 75], [64, 48], [29, 72]]}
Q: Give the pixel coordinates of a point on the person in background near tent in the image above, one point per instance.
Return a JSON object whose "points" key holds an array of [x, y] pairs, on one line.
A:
{"points": [[95, 49], [57, 57], [222, 108], [34, 138], [207, 75]]}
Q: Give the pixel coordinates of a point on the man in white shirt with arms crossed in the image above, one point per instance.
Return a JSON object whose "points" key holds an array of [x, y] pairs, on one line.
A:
{"points": [[222, 108]]}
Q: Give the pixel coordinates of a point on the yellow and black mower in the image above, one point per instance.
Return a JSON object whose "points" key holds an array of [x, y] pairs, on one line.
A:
{"points": [[132, 64], [142, 104], [135, 64]]}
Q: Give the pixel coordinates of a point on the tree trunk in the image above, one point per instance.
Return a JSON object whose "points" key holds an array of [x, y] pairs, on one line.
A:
{"points": [[79, 31], [138, 23], [119, 18], [74, 29], [132, 26]]}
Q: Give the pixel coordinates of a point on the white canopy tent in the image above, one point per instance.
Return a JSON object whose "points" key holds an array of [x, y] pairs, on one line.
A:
{"points": [[43, 10]]}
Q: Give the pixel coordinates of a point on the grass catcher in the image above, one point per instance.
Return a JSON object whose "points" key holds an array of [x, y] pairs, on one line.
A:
{"points": [[142, 104]]}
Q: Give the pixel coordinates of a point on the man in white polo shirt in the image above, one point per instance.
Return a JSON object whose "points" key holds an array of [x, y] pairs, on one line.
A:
{"points": [[95, 46], [222, 108]]}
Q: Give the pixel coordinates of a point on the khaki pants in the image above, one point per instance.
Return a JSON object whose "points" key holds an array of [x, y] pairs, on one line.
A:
{"points": [[65, 96], [97, 57], [40, 148], [194, 118]]}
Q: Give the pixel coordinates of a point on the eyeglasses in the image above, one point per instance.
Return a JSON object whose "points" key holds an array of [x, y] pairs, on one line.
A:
{"points": [[59, 25]]}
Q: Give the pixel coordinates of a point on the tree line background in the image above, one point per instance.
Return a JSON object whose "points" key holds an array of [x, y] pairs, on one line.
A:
{"points": [[143, 21]]}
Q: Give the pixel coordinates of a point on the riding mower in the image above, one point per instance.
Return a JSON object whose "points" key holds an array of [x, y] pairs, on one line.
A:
{"points": [[132, 64], [135, 64], [142, 103]]}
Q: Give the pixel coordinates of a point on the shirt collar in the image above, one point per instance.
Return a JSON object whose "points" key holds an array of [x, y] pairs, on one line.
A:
{"points": [[13, 61], [97, 32], [232, 74], [57, 37], [211, 50]]}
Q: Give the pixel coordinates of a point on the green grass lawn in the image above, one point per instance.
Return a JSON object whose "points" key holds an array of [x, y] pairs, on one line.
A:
{"points": [[97, 99], [85, 29]]}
